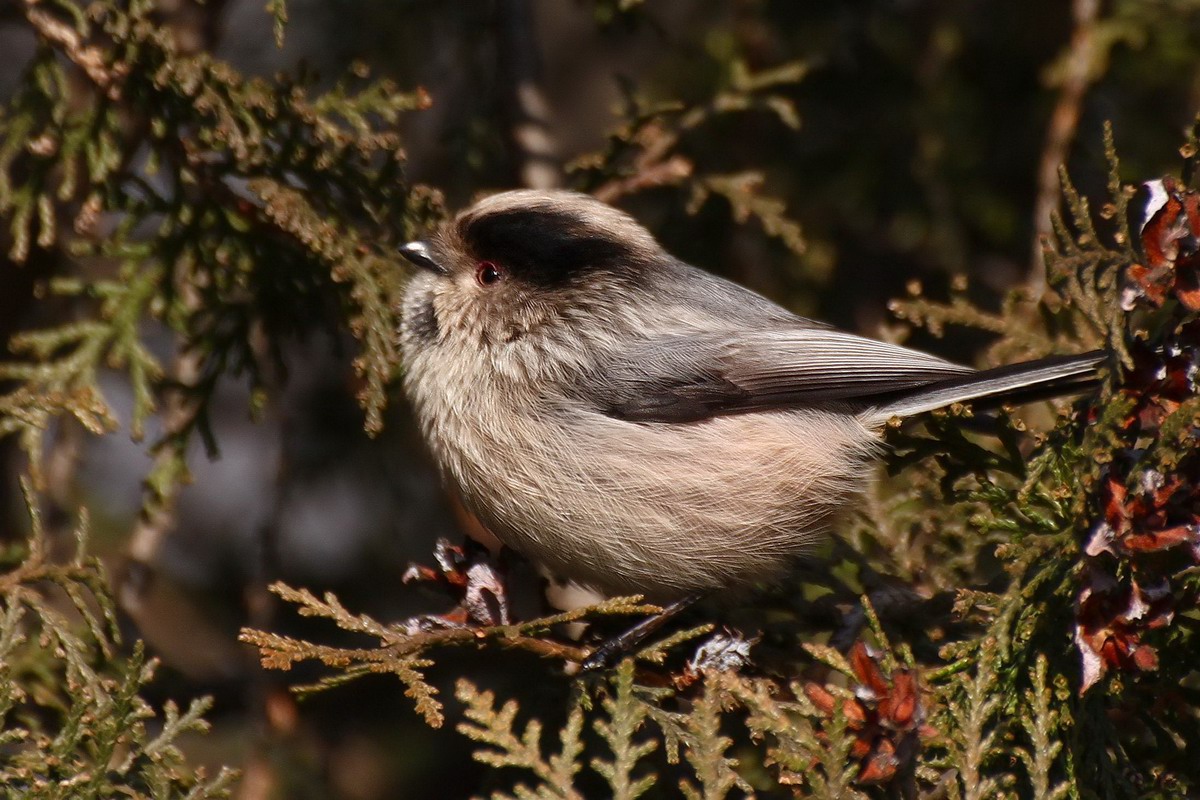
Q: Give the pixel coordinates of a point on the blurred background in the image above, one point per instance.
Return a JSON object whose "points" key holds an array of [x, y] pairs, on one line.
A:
{"points": [[907, 140]]}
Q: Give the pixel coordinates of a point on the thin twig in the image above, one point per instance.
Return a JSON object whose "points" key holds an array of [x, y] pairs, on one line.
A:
{"points": [[157, 517], [1078, 68], [671, 172], [88, 58]]}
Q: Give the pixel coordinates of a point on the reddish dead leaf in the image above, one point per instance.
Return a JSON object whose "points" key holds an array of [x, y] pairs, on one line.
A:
{"points": [[900, 707], [820, 697], [854, 713], [856, 716], [1169, 240], [1113, 648], [1145, 658], [1115, 512], [886, 717], [862, 747], [866, 670], [1145, 283], [1165, 227], [882, 765], [1111, 618], [1154, 541]]}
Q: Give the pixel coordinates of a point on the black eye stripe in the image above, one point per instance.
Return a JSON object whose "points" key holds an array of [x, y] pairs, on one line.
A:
{"points": [[541, 246]]}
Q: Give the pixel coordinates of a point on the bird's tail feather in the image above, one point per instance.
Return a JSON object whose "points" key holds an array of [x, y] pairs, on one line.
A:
{"points": [[1053, 376]]}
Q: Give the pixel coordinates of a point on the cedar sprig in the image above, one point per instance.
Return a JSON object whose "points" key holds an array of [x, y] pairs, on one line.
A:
{"points": [[402, 649], [71, 709]]}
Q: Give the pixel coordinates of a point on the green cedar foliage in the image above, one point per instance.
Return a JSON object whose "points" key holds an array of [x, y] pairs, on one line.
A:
{"points": [[73, 719], [1010, 614]]}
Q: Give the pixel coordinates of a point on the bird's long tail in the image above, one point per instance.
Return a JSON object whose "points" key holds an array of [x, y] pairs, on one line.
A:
{"points": [[1053, 376]]}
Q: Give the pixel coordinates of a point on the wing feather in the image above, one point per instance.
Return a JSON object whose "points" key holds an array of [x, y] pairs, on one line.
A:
{"points": [[685, 378]]}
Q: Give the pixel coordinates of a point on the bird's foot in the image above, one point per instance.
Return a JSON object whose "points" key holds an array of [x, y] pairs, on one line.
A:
{"points": [[469, 573], [621, 645]]}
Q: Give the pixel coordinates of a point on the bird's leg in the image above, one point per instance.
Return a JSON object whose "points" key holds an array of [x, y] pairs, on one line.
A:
{"points": [[469, 573], [486, 598], [622, 644]]}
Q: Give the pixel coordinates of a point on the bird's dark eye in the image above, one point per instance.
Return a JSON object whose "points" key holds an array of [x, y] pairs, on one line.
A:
{"points": [[488, 272]]}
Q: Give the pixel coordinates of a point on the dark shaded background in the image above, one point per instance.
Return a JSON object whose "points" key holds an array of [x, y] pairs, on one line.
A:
{"points": [[927, 128]]}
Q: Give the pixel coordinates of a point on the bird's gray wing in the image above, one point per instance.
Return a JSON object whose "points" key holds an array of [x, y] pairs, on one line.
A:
{"points": [[684, 378]]}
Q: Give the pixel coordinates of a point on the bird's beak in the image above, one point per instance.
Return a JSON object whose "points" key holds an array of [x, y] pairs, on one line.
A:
{"points": [[418, 253]]}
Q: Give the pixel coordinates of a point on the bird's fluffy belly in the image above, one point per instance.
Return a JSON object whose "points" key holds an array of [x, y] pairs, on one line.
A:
{"points": [[617, 505]]}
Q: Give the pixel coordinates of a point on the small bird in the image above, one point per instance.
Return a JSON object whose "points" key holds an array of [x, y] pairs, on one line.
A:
{"points": [[637, 425]]}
